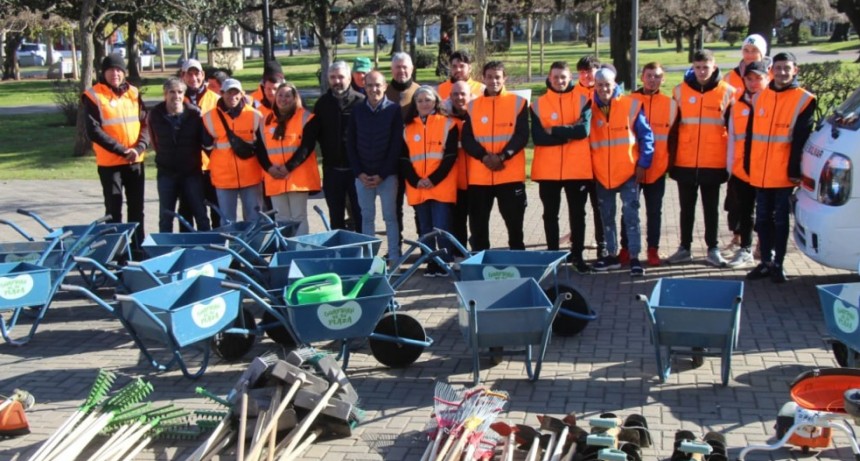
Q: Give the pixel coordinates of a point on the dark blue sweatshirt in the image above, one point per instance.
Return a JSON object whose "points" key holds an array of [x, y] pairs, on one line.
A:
{"points": [[374, 139]]}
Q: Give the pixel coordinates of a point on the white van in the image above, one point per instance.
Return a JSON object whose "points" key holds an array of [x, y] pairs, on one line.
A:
{"points": [[827, 207], [350, 35]]}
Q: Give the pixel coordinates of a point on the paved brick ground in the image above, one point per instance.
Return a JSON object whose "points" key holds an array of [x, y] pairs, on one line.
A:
{"points": [[609, 367]]}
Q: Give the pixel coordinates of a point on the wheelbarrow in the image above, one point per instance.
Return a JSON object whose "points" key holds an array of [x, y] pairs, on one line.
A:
{"points": [[508, 313], [194, 312], [396, 339], [336, 239], [158, 244], [842, 317], [696, 318], [100, 230], [264, 234]]}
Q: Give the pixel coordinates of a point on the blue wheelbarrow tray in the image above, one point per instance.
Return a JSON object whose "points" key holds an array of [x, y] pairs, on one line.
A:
{"points": [[511, 264], [513, 313], [344, 267], [30, 252], [841, 316], [692, 313], [189, 310], [336, 239], [173, 266], [344, 319], [94, 231], [159, 244], [24, 284]]}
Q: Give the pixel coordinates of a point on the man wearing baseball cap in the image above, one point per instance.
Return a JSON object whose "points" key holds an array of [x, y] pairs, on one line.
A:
{"points": [[116, 124], [360, 67], [264, 96]]}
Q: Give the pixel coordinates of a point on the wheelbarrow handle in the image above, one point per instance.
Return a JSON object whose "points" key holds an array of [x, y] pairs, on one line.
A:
{"points": [[641, 298], [453, 240], [99, 266], [239, 276], [323, 217], [88, 294], [241, 259], [36, 217], [17, 229], [244, 289], [182, 221]]}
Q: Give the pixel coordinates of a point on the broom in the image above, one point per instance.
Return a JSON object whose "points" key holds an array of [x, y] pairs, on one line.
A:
{"points": [[446, 402], [486, 406]]}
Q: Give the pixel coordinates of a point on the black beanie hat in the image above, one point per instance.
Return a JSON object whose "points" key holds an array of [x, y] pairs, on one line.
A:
{"points": [[114, 61], [273, 70]]}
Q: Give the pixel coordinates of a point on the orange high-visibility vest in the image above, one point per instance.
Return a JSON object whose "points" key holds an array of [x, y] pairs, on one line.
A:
{"points": [[206, 102], [462, 165], [736, 81], [660, 111], [494, 120], [741, 113], [228, 171], [773, 129], [613, 142], [584, 91], [571, 160], [475, 87], [426, 143], [702, 135], [120, 120], [306, 177]]}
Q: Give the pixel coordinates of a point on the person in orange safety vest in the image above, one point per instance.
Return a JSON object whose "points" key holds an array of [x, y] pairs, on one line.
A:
{"points": [[115, 122], [427, 164], [290, 164], [622, 147], [457, 107], [782, 123], [495, 135], [237, 176], [461, 71]]}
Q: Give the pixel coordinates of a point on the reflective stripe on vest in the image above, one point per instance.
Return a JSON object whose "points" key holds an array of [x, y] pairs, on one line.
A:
{"points": [[426, 142], [613, 142], [306, 176], [227, 170], [120, 119], [702, 134], [493, 120], [776, 115], [571, 160]]}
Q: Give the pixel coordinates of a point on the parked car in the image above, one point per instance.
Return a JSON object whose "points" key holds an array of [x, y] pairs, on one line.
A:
{"points": [[118, 48], [32, 54], [827, 203]]}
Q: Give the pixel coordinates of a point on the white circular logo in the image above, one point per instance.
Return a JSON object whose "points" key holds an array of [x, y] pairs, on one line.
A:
{"points": [[113, 103], [485, 119], [272, 130], [417, 137], [761, 112], [554, 116], [600, 123], [692, 99], [745, 112]]}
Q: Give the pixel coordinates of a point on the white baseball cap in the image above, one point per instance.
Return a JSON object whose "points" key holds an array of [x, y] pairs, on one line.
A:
{"points": [[192, 64], [231, 84]]}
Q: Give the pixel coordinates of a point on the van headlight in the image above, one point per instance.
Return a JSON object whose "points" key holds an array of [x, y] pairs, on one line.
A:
{"points": [[834, 188]]}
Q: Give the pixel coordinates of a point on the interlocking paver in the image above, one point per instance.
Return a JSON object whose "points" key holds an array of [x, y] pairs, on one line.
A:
{"points": [[609, 367]]}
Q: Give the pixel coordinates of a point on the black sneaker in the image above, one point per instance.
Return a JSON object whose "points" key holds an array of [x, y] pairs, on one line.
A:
{"points": [[777, 274], [579, 265], [607, 263], [636, 269], [762, 271], [432, 270]]}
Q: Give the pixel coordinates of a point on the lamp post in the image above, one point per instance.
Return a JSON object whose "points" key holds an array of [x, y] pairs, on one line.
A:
{"points": [[634, 48]]}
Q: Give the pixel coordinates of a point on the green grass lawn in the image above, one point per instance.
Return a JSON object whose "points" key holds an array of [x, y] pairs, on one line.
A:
{"points": [[827, 47]]}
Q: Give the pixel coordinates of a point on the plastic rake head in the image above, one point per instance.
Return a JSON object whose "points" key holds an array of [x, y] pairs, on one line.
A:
{"points": [[204, 393], [101, 386]]}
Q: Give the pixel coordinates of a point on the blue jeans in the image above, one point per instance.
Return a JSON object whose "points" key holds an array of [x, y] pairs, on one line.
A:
{"points": [[771, 222], [629, 192], [188, 189], [338, 184], [434, 214], [387, 193], [653, 194], [251, 198]]}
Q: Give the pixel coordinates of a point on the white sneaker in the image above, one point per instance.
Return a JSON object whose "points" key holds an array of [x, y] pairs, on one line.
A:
{"points": [[742, 258], [716, 259], [683, 255]]}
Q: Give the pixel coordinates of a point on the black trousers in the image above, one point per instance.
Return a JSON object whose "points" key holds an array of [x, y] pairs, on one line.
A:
{"points": [[460, 218], [688, 195], [128, 179], [740, 205], [209, 195], [576, 192], [512, 206], [338, 184], [599, 237]]}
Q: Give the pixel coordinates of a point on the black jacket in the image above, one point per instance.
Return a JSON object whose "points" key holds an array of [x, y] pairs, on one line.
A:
{"points": [[177, 145], [334, 114]]}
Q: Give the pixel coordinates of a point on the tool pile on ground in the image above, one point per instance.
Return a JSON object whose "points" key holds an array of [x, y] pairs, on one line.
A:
{"points": [[118, 426], [278, 408], [13, 421]]}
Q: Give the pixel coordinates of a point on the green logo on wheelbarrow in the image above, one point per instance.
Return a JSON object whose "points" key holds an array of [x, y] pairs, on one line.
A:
{"points": [[15, 287], [207, 270], [845, 316], [208, 315], [495, 273], [339, 317]]}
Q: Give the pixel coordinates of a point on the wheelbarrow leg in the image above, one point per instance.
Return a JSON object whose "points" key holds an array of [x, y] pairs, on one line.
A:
{"points": [[473, 337], [547, 334]]}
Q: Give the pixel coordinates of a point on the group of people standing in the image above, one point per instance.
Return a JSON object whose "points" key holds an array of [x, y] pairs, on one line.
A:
{"points": [[454, 149]]}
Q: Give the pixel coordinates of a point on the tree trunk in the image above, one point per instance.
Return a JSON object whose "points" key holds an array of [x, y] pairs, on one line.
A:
{"points": [[850, 8], [763, 19], [659, 38], [131, 50], [76, 65], [529, 48], [840, 32], [795, 32], [481, 34], [679, 42], [542, 41], [691, 39], [621, 38], [11, 71], [448, 24], [87, 28]]}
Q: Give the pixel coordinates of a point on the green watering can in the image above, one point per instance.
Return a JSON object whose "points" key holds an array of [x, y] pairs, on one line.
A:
{"points": [[327, 288]]}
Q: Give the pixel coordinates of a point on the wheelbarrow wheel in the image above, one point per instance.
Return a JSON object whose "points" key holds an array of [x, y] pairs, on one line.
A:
{"points": [[397, 354], [565, 325], [841, 351], [232, 346], [278, 333]]}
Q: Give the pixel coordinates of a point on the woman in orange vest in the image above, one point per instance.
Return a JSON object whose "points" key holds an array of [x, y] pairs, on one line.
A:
{"points": [[290, 162], [427, 164]]}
